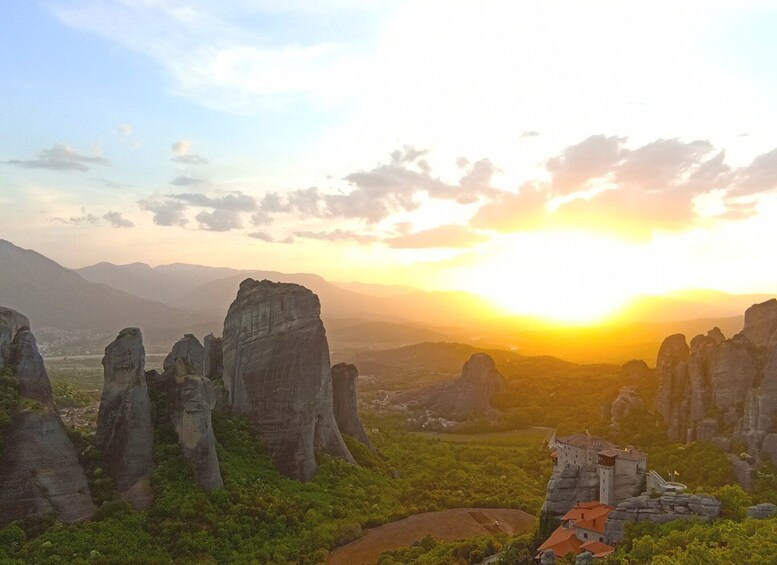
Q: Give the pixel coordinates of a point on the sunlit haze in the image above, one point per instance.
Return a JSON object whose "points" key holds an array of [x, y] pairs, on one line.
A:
{"points": [[558, 158]]}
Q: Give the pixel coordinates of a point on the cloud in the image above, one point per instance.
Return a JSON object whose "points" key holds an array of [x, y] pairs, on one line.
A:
{"points": [[759, 176], [263, 236], [84, 218], [182, 155], [529, 133], [61, 157], [600, 184], [236, 201], [580, 163], [167, 212], [213, 57], [513, 212], [125, 129], [450, 236], [117, 220], [220, 220], [186, 181], [337, 235]]}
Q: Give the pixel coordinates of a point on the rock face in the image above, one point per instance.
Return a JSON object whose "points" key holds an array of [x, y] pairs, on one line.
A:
{"points": [[659, 510], [124, 429], [627, 403], [344, 384], [39, 468], [189, 348], [277, 372], [724, 390], [567, 486], [191, 398], [470, 396], [761, 323], [213, 363], [11, 322]]}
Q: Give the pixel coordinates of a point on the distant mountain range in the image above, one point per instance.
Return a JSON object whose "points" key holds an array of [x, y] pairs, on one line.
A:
{"points": [[168, 300]]}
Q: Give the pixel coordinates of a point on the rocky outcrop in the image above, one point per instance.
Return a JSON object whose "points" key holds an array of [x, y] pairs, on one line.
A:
{"points": [[724, 390], [627, 403], [124, 430], [213, 362], [635, 369], [39, 468], [191, 398], [189, 348], [761, 323], [345, 380], [742, 471], [659, 510], [762, 511], [11, 323], [277, 372], [467, 398], [566, 487]]}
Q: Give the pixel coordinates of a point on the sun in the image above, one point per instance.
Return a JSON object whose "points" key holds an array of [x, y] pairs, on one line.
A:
{"points": [[558, 277]]}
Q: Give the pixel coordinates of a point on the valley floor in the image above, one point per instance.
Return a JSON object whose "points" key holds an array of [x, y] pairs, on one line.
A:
{"points": [[446, 525]]}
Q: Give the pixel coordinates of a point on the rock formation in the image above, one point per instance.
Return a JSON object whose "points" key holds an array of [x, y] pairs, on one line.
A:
{"points": [[761, 323], [659, 510], [567, 486], [277, 372], [213, 363], [189, 348], [468, 397], [762, 511], [344, 384], [627, 403], [124, 431], [190, 400], [39, 468], [724, 390]]}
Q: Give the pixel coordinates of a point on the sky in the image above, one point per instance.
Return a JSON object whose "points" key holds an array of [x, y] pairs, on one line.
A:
{"points": [[558, 156]]}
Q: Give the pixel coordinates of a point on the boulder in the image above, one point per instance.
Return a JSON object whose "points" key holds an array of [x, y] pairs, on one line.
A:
{"points": [[190, 400], [277, 372], [635, 369], [39, 468], [189, 348], [762, 511], [125, 433], [345, 380]]}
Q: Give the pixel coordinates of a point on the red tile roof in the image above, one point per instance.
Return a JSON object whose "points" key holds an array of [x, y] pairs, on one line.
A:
{"points": [[562, 541], [588, 515], [597, 548]]}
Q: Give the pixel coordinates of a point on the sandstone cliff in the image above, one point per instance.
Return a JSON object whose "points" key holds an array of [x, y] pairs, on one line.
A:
{"points": [[124, 429], [39, 468], [345, 380], [191, 398], [189, 348], [627, 403], [724, 390], [277, 372], [467, 398]]}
